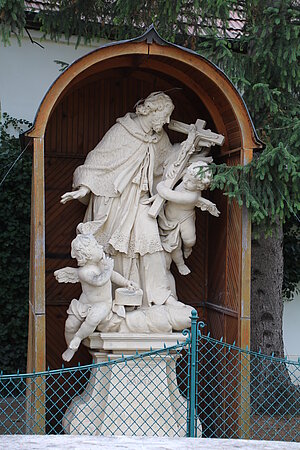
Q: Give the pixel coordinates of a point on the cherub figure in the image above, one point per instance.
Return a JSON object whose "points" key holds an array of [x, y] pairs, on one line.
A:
{"points": [[177, 222], [95, 273]]}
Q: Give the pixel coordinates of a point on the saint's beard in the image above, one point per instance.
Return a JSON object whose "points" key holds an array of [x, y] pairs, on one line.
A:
{"points": [[157, 127]]}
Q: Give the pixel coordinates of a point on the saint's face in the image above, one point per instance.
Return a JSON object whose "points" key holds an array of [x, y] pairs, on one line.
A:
{"points": [[159, 118]]}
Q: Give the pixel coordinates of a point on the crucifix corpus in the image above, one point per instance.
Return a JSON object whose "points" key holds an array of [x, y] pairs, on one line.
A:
{"points": [[197, 139]]}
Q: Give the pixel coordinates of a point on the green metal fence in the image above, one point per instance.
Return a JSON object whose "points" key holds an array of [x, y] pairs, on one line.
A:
{"points": [[243, 394], [199, 387]]}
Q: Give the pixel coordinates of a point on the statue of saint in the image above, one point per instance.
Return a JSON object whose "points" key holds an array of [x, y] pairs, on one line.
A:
{"points": [[115, 181], [118, 182]]}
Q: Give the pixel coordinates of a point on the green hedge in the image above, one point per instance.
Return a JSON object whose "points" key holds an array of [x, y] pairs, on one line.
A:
{"points": [[14, 246]]}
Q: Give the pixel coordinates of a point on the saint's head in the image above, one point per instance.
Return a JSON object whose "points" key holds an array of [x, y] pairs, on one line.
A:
{"points": [[155, 111]]}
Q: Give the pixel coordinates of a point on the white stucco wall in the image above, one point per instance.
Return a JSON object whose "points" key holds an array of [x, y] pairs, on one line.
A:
{"points": [[27, 71]]}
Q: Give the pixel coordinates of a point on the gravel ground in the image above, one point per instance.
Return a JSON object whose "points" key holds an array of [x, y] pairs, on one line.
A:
{"points": [[136, 443]]}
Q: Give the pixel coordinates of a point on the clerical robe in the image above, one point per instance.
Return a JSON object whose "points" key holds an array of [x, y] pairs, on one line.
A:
{"points": [[121, 172]]}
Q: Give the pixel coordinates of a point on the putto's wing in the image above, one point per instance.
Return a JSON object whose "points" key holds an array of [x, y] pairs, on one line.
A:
{"points": [[67, 275]]}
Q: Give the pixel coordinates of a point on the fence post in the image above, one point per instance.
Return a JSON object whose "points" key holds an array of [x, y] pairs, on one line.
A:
{"points": [[192, 423], [245, 400]]}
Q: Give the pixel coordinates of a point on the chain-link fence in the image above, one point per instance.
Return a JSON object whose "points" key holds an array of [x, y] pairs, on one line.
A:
{"points": [[202, 387], [142, 394], [242, 394]]}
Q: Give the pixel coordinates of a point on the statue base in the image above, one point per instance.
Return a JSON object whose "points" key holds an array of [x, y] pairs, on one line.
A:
{"points": [[138, 396]]}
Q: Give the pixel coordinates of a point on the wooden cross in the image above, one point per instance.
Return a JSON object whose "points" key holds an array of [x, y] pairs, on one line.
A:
{"points": [[197, 137]]}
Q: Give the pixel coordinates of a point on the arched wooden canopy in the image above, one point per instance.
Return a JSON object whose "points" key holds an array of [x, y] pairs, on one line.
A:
{"points": [[150, 51], [98, 88]]}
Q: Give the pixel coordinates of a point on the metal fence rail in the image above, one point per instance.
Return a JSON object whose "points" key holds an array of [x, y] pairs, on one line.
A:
{"points": [[201, 387]]}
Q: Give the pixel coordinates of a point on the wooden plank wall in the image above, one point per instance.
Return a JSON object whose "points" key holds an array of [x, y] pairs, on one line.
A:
{"points": [[224, 267], [223, 305]]}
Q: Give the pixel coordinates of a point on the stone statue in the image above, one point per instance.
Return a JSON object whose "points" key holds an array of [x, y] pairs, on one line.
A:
{"points": [[177, 223], [121, 184], [118, 176], [95, 273], [117, 182]]}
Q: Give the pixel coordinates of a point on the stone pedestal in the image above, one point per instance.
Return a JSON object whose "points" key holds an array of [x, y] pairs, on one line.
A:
{"points": [[138, 396]]}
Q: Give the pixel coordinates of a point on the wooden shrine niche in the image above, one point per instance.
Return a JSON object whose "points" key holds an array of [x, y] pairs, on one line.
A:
{"points": [[78, 109]]}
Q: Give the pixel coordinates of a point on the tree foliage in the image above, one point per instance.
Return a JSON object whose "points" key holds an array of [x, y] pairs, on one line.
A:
{"points": [[266, 71], [12, 19]]}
